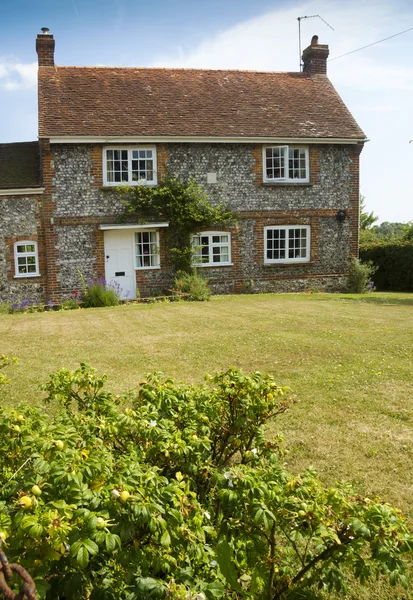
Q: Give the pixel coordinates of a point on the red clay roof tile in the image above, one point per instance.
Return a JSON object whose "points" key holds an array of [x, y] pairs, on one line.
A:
{"points": [[103, 101]]}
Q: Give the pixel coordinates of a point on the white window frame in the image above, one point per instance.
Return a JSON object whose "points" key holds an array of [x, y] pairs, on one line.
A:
{"points": [[156, 255], [26, 254], [211, 246], [286, 179], [287, 229], [129, 150]]}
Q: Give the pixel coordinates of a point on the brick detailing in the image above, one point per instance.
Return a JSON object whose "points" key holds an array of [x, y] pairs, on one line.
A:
{"points": [[314, 159], [100, 253], [45, 50], [162, 161], [47, 249], [315, 59], [96, 166], [353, 212]]}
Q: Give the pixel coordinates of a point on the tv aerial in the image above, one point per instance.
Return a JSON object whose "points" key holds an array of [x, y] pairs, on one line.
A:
{"points": [[299, 19]]}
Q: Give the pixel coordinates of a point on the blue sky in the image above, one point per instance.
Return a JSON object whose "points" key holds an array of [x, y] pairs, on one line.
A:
{"points": [[376, 83]]}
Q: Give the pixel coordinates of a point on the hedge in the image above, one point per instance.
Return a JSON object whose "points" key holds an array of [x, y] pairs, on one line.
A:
{"points": [[394, 261]]}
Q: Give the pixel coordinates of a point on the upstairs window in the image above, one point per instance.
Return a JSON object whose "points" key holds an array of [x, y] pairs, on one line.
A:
{"points": [[285, 164], [132, 165], [147, 249], [212, 248], [26, 259], [287, 243]]}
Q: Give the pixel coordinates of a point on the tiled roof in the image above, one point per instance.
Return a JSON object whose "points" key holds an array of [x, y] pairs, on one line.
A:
{"points": [[102, 101], [19, 165]]}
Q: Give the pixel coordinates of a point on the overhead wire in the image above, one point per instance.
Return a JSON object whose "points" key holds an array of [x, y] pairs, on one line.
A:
{"points": [[369, 45]]}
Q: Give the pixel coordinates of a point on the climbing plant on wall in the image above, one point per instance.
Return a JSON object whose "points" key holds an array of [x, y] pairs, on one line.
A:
{"points": [[184, 204]]}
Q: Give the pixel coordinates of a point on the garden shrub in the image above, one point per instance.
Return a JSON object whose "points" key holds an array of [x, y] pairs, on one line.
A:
{"points": [[359, 280], [70, 304], [179, 495], [394, 261], [99, 293], [192, 285]]}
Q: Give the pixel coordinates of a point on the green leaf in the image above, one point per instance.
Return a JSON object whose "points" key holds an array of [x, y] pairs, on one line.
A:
{"points": [[214, 590], [165, 539], [82, 558], [110, 542], [225, 560], [91, 546], [74, 548]]}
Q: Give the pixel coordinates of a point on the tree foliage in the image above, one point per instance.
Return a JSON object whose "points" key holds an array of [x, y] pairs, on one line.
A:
{"points": [[179, 494], [183, 204], [367, 219], [394, 261]]}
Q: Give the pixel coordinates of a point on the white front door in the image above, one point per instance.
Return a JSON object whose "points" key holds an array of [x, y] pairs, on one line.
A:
{"points": [[119, 262]]}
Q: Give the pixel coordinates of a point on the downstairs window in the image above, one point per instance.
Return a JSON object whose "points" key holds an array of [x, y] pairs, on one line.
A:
{"points": [[147, 249], [26, 259], [212, 248], [286, 243]]}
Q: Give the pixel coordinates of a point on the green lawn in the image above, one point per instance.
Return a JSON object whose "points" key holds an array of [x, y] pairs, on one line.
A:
{"points": [[346, 358]]}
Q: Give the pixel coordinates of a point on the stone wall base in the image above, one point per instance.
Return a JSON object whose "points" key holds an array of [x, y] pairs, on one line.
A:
{"points": [[331, 284]]}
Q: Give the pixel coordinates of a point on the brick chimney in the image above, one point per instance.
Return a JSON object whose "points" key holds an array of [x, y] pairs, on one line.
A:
{"points": [[315, 58], [45, 48]]}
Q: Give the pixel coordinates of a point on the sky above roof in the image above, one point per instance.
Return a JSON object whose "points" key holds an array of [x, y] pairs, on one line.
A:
{"points": [[375, 83]]}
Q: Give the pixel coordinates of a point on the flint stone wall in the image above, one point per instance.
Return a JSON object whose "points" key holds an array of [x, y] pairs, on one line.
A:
{"points": [[18, 219], [78, 196]]}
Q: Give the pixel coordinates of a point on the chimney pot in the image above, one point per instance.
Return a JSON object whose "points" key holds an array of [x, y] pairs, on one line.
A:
{"points": [[315, 58], [45, 48]]}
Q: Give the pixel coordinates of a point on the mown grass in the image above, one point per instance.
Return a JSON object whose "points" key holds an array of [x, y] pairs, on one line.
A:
{"points": [[348, 360]]}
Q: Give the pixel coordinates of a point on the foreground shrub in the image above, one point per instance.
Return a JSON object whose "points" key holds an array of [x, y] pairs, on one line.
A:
{"points": [[179, 495], [192, 285], [360, 275], [99, 293], [394, 261]]}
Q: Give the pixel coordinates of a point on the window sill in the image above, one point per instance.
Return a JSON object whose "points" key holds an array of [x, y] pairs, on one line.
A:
{"points": [[27, 276], [108, 186], [146, 268], [289, 264], [287, 183], [214, 265]]}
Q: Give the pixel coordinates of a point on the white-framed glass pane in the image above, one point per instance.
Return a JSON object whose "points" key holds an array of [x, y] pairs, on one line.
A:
{"points": [[142, 165], [286, 243], [297, 168], [117, 169], [211, 248], [147, 250], [26, 258], [275, 162]]}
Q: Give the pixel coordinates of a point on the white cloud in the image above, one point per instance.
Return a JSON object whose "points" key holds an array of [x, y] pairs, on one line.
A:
{"points": [[17, 76]]}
